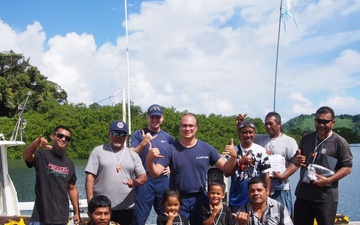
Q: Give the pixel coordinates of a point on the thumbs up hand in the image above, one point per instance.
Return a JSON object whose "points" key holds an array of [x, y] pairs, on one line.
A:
{"points": [[230, 149], [298, 159]]}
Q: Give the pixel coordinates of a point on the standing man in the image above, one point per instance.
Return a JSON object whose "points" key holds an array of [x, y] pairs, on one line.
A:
{"points": [[55, 179], [189, 159], [252, 162], [280, 148], [317, 189], [151, 193], [114, 170], [261, 209]]}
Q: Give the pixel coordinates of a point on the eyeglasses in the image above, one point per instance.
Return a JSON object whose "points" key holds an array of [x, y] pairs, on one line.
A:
{"points": [[190, 126], [60, 136], [323, 122], [118, 133]]}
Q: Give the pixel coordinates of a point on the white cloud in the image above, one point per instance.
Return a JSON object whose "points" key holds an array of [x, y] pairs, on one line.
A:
{"points": [[210, 57]]}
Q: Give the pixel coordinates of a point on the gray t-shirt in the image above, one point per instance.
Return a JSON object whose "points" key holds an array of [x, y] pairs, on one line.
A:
{"points": [[283, 145], [109, 182]]}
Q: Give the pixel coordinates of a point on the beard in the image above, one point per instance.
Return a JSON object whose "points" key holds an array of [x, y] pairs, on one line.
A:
{"points": [[58, 151]]}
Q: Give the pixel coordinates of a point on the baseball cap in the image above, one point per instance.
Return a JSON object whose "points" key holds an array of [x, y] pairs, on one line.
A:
{"points": [[247, 123], [155, 110], [119, 125]]}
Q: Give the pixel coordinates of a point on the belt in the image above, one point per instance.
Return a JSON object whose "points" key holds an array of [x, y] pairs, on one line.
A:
{"points": [[189, 195]]}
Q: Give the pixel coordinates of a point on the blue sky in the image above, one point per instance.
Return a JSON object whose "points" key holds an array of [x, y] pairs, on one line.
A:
{"points": [[204, 56]]}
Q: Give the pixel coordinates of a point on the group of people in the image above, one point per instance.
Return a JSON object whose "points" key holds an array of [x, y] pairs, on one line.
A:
{"points": [[124, 183]]}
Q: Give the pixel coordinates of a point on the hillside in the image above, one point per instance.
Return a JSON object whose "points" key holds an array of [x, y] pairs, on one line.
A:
{"points": [[305, 123]]}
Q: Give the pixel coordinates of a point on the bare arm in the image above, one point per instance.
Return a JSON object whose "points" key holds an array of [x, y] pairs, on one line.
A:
{"points": [[74, 198], [154, 170], [268, 182], [28, 153], [89, 186], [288, 172]]}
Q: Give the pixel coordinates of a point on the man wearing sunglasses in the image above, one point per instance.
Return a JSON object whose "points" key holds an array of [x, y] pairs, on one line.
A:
{"points": [[325, 158], [151, 193], [114, 170], [55, 179]]}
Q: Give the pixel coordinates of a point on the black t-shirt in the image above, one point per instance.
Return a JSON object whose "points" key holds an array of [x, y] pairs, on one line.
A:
{"points": [[333, 148], [224, 217], [53, 177]]}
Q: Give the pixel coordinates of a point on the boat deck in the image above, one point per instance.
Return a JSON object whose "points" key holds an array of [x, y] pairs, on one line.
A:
{"points": [[23, 220]]}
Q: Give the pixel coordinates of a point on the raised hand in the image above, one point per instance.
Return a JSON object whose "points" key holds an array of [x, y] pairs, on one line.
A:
{"points": [[230, 149], [240, 118], [147, 137], [153, 153], [242, 217], [246, 160], [42, 142], [299, 160]]}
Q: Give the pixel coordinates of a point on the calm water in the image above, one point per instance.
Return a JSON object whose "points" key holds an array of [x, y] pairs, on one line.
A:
{"points": [[349, 199]]}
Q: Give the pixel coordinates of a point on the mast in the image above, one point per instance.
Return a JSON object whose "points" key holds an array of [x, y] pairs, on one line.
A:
{"points": [[127, 66], [277, 55]]}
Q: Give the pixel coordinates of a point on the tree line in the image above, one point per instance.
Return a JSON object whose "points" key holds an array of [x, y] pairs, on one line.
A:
{"points": [[48, 107]]}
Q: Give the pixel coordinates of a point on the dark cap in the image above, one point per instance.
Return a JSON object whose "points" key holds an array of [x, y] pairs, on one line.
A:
{"points": [[155, 110], [247, 123], [119, 125]]}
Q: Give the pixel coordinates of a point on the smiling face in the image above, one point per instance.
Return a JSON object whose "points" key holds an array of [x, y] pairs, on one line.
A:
{"points": [[172, 204], [60, 140], [155, 122], [257, 193], [188, 127], [323, 124], [246, 136], [216, 194], [101, 216]]}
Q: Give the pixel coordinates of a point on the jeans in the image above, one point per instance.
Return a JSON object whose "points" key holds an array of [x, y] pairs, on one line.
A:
{"points": [[284, 197]]}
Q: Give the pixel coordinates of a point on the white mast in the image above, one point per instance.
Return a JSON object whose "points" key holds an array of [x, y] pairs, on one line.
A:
{"points": [[127, 65]]}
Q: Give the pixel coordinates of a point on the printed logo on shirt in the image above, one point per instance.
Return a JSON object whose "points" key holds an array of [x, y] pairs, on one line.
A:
{"points": [[58, 170], [202, 157]]}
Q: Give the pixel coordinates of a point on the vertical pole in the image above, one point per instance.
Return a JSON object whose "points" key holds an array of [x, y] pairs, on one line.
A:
{"points": [[277, 55], [127, 65]]}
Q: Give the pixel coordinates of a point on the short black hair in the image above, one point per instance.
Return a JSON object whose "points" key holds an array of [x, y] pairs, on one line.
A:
{"points": [[256, 180], [61, 127], [97, 202], [324, 110], [219, 183], [274, 114]]}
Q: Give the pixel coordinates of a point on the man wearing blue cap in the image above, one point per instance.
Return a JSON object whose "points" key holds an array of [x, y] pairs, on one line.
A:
{"points": [[151, 193], [114, 170]]}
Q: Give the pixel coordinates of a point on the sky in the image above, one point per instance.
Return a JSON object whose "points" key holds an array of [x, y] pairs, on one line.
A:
{"points": [[203, 56]]}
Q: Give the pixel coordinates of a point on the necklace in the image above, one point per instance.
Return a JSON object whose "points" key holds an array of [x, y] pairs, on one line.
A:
{"points": [[118, 167], [271, 144], [219, 216]]}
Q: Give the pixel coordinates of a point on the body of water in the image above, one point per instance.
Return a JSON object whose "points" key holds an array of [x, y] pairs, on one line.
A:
{"points": [[349, 199]]}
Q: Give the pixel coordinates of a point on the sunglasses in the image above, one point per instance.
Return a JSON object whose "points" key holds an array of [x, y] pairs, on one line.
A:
{"points": [[323, 122], [118, 133], [61, 136]]}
